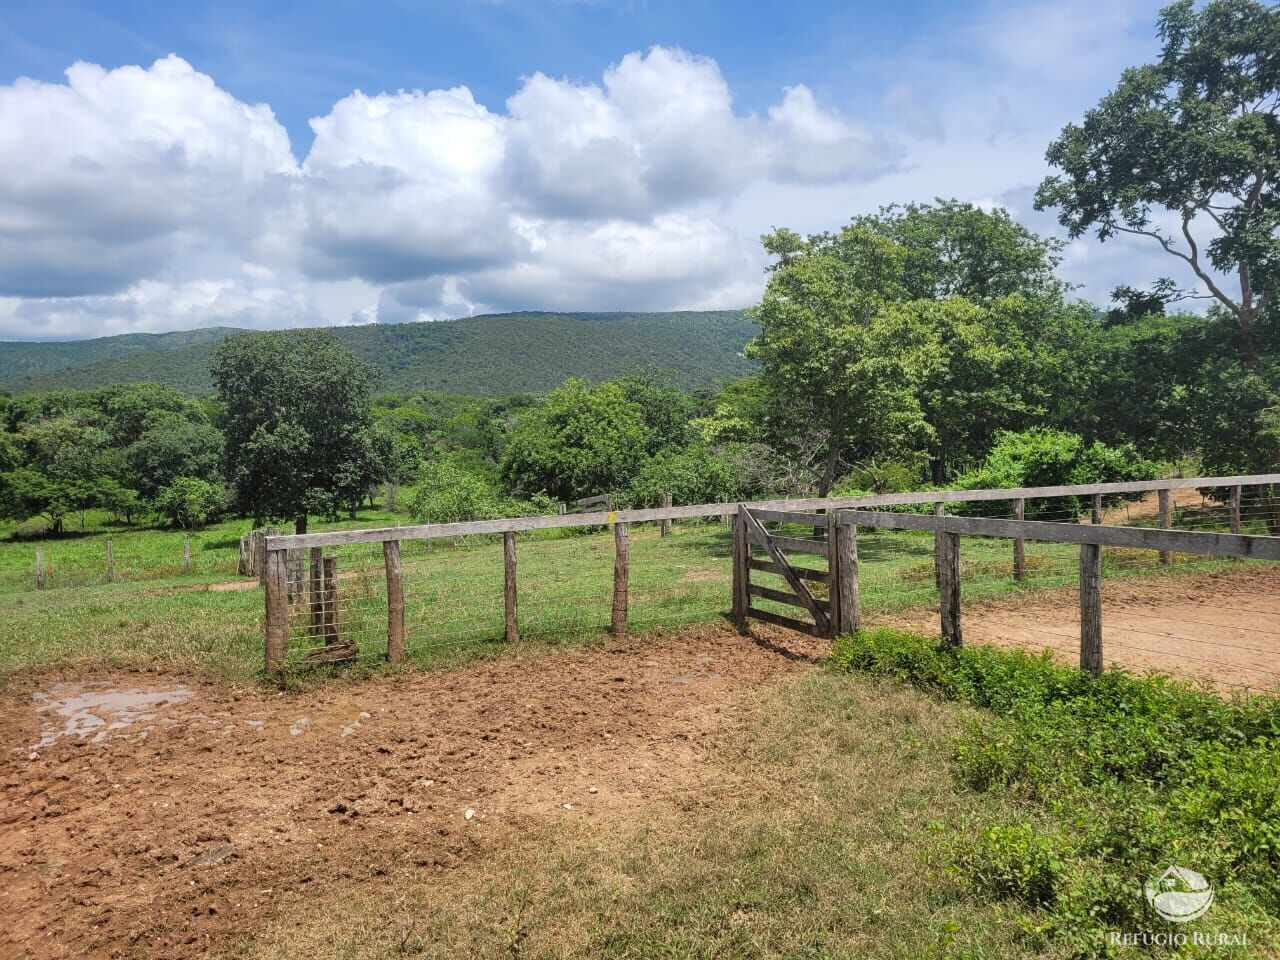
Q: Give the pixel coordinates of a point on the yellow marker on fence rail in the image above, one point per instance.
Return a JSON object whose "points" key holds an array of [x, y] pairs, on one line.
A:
{"points": [[613, 516]]}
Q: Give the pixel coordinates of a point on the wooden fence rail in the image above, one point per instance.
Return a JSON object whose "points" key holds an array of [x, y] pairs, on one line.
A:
{"points": [[1091, 538], [277, 559]]}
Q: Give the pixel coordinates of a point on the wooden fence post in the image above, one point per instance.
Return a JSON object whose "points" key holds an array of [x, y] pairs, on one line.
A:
{"points": [[845, 587], [1095, 514], [621, 572], [665, 528], [939, 509], [511, 632], [395, 600], [741, 557], [1019, 545], [833, 571], [315, 592], [277, 614], [1236, 496], [329, 567], [186, 553], [949, 589], [1091, 608], [39, 568], [1166, 522], [111, 563]]}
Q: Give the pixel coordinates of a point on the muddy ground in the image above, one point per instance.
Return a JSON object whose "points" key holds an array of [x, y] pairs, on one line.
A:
{"points": [[145, 815], [206, 808]]}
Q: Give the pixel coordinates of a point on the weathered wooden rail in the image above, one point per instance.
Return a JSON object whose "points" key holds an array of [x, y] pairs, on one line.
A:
{"points": [[281, 553], [1091, 539]]}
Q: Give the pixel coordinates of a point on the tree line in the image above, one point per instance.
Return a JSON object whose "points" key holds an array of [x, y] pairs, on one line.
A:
{"points": [[923, 343]]}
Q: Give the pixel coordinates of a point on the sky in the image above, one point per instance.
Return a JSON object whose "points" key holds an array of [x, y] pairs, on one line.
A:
{"points": [[171, 166]]}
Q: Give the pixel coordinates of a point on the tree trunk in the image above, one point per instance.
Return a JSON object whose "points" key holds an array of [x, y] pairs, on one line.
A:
{"points": [[938, 468], [300, 524], [829, 470]]}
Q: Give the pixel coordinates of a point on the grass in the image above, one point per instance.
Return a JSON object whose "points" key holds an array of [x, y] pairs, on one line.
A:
{"points": [[1116, 778], [157, 617]]}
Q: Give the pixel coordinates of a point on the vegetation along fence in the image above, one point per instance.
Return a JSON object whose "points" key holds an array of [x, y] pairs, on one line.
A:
{"points": [[388, 592]]}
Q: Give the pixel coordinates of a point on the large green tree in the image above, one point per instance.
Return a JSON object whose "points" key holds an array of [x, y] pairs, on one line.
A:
{"points": [[1186, 151], [834, 360], [297, 424], [581, 441]]}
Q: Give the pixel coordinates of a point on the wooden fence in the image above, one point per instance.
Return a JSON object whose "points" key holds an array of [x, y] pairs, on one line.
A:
{"points": [[283, 553]]}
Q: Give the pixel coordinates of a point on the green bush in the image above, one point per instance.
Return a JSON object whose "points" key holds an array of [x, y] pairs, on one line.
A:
{"points": [[695, 474], [1128, 774], [190, 502], [450, 491], [1047, 458]]}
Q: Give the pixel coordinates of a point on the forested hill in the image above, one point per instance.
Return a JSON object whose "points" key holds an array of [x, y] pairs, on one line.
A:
{"points": [[491, 355]]}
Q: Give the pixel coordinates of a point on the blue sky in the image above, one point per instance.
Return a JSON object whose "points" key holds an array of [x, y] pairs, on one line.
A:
{"points": [[214, 163]]}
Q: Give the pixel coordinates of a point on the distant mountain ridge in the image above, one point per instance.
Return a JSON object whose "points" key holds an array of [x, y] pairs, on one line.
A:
{"points": [[490, 355]]}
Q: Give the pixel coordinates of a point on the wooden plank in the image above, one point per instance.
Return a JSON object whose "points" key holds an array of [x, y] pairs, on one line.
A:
{"points": [[805, 573], [511, 631], [742, 562], [846, 587], [1091, 608], [276, 619], [949, 588], [621, 573], [1095, 508], [779, 620], [768, 515], [817, 548], [939, 510], [395, 600], [781, 596], [773, 547], [665, 529], [834, 613], [431, 531], [315, 589], [1166, 521], [111, 563], [1142, 538], [329, 584], [1019, 545]]}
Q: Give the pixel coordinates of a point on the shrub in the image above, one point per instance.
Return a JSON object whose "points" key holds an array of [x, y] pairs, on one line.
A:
{"points": [[190, 502], [1046, 458], [1127, 773], [449, 491], [695, 474]]}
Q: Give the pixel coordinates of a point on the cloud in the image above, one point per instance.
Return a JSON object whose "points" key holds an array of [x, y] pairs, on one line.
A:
{"points": [[111, 177], [150, 198]]}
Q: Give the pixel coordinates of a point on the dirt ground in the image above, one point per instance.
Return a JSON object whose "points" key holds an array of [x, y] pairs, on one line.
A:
{"points": [[185, 815], [1223, 628]]}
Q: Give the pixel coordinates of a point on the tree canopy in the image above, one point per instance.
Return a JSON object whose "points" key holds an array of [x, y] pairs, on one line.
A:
{"points": [[1186, 151]]}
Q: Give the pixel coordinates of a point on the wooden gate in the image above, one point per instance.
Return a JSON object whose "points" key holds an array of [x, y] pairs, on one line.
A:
{"points": [[756, 548]]}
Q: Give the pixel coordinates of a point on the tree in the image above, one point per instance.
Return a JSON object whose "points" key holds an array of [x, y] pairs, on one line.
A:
{"points": [[172, 448], [581, 441], [296, 419], [834, 359], [693, 475], [1195, 136], [955, 249]]}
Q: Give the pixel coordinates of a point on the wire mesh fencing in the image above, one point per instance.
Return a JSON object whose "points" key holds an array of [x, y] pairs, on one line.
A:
{"points": [[454, 589], [559, 578]]}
